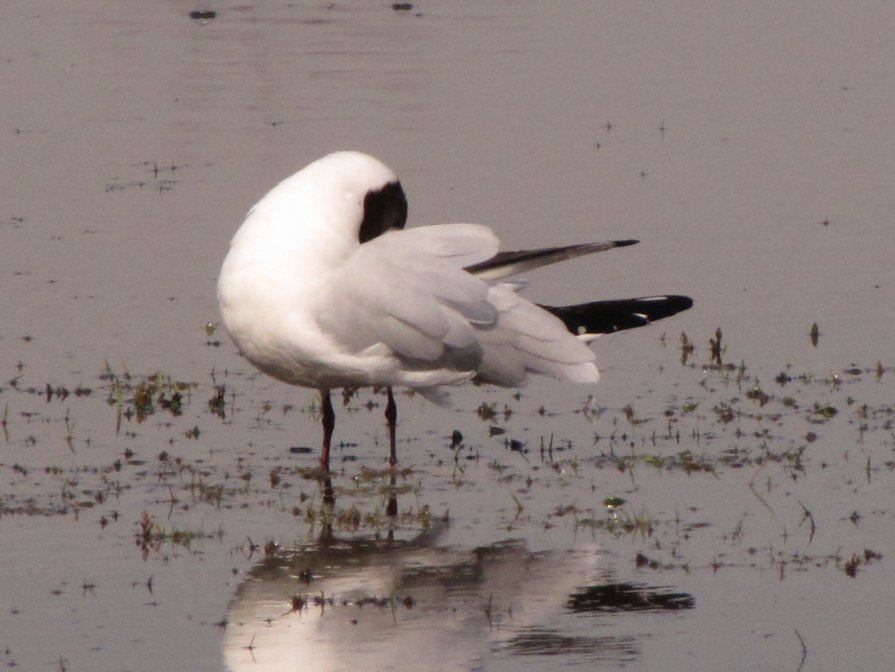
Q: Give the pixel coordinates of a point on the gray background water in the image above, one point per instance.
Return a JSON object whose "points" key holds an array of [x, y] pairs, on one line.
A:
{"points": [[749, 147]]}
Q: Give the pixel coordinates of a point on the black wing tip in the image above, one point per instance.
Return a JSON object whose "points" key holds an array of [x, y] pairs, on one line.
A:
{"points": [[674, 303], [606, 317], [660, 306], [625, 243]]}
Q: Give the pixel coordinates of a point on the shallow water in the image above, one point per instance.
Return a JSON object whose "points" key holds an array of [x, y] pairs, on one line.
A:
{"points": [[748, 147]]}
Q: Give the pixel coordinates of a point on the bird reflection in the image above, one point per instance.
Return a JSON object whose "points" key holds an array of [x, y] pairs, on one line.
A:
{"points": [[406, 604], [328, 496]]}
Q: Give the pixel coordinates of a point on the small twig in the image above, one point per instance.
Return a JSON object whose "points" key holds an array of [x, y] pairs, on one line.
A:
{"points": [[804, 651], [810, 518], [754, 491]]}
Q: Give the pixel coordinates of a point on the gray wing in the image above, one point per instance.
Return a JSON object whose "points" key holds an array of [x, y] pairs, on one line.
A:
{"points": [[408, 290]]}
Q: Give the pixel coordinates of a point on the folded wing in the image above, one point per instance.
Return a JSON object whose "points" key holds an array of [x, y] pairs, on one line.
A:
{"points": [[410, 291]]}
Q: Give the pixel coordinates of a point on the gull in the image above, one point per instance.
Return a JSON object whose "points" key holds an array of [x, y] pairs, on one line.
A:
{"points": [[323, 287]]}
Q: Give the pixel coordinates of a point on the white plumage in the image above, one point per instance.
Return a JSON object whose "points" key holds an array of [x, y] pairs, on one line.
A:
{"points": [[323, 287]]}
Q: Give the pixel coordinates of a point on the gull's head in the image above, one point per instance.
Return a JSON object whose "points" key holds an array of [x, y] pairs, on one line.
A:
{"points": [[338, 201], [294, 236], [363, 181]]}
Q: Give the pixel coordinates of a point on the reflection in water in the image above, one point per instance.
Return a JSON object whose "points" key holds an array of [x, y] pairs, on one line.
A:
{"points": [[615, 597], [328, 496], [408, 605]]}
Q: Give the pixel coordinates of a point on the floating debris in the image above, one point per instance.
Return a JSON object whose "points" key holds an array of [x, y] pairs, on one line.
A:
{"points": [[815, 334], [203, 15]]}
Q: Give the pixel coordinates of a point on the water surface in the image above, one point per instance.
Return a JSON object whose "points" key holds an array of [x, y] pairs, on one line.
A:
{"points": [[152, 510]]}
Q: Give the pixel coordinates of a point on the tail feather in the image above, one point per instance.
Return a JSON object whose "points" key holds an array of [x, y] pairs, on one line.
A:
{"points": [[605, 317]]}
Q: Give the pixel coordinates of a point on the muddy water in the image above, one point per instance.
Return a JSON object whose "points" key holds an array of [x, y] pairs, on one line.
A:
{"points": [[158, 508]]}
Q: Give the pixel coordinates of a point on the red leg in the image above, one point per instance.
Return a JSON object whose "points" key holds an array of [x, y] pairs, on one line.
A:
{"points": [[329, 423], [391, 417]]}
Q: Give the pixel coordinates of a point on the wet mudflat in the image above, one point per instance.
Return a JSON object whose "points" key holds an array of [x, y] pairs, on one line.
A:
{"points": [[720, 500]]}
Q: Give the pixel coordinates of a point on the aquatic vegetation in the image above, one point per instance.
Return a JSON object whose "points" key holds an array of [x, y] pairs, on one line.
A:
{"points": [[597, 468], [716, 474], [152, 535], [138, 399]]}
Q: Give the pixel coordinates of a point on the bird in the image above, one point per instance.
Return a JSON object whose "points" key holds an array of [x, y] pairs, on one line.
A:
{"points": [[323, 287]]}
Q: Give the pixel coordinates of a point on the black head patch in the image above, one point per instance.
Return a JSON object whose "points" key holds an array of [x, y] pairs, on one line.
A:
{"points": [[384, 209]]}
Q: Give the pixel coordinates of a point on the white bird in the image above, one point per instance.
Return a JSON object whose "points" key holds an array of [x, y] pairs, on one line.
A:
{"points": [[323, 287]]}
